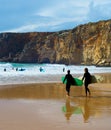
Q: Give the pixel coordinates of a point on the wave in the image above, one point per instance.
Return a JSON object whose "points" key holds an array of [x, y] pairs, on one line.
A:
{"points": [[31, 72]]}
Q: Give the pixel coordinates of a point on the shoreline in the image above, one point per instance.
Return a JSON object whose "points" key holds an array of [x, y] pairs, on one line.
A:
{"points": [[42, 79], [40, 106], [105, 83]]}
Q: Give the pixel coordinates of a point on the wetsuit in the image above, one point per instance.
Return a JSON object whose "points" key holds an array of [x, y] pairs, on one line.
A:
{"points": [[87, 81], [68, 84]]}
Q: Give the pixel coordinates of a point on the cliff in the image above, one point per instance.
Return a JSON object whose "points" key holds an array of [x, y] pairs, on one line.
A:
{"points": [[88, 44]]}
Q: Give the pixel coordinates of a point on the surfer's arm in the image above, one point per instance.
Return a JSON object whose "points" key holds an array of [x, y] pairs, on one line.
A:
{"points": [[83, 77], [64, 79]]}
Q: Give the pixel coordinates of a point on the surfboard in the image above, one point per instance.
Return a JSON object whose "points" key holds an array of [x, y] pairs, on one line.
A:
{"points": [[94, 78], [75, 82]]}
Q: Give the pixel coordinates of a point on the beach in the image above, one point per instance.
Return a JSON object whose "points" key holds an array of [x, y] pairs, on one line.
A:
{"points": [[39, 106]]}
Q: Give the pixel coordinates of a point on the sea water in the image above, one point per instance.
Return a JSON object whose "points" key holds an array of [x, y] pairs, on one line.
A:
{"points": [[14, 73]]}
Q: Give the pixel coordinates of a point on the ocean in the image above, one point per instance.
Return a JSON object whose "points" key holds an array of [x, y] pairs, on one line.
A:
{"points": [[17, 73]]}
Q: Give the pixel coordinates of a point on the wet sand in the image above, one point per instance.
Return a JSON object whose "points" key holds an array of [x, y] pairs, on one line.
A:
{"points": [[46, 107]]}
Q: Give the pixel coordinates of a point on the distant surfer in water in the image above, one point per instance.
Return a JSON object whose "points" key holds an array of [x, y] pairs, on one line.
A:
{"points": [[87, 80], [63, 69], [41, 69], [69, 78]]}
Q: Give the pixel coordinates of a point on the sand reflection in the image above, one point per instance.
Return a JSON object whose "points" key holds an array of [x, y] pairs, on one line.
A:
{"points": [[89, 108], [33, 91], [48, 104], [68, 109]]}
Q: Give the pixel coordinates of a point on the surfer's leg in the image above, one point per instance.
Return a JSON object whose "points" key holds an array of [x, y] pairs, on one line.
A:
{"points": [[68, 92], [85, 84], [68, 89], [86, 88], [88, 91]]}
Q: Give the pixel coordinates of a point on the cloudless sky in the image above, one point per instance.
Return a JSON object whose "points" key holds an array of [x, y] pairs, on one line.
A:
{"points": [[50, 15]]}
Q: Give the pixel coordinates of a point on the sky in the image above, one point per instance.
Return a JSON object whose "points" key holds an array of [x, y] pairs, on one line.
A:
{"points": [[50, 15]]}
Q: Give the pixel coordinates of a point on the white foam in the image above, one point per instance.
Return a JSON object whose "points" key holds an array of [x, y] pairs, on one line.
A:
{"points": [[32, 70]]}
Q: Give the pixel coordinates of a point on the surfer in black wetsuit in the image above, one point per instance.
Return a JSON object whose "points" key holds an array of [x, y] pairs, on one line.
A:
{"points": [[87, 81], [69, 78]]}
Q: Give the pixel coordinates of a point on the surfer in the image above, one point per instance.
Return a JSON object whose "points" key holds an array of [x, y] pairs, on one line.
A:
{"points": [[69, 78], [63, 69], [41, 69], [87, 80], [4, 69]]}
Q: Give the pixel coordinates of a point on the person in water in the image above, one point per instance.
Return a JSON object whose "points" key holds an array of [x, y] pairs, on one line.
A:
{"points": [[41, 69], [69, 78], [87, 80], [63, 69]]}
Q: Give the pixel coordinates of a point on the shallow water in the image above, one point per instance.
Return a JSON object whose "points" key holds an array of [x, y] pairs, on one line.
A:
{"points": [[45, 106], [51, 72]]}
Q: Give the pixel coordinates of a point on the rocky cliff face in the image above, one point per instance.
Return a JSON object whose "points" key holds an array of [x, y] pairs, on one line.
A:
{"points": [[86, 44]]}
